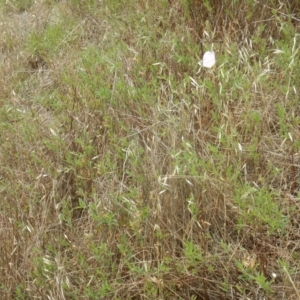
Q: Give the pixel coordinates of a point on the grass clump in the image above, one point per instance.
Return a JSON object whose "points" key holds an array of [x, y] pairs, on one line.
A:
{"points": [[130, 172]]}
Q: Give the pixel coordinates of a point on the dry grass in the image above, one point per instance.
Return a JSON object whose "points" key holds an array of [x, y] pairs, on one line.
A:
{"points": [[129, 173]]}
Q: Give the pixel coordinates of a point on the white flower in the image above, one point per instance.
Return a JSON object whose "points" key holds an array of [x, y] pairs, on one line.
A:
{"points": [[209, 59]]}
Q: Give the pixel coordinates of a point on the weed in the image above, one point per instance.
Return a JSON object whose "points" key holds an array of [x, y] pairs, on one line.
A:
{"points": [[128, 171]]}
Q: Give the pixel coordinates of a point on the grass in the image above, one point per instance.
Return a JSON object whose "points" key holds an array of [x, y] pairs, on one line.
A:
{"points": [[128, 171]]}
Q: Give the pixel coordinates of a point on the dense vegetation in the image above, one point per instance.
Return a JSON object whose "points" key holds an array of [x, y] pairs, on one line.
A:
{"points": [[128, 171]]}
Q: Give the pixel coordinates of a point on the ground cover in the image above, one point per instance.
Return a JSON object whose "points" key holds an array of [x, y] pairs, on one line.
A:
{"points": [[128, 171]]}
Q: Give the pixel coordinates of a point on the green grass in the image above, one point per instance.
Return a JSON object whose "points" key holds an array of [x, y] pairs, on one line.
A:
{"points": [[130, 172]]}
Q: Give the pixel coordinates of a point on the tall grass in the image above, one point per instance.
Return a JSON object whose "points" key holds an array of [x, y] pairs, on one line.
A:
{"points": [[130, 172]]}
